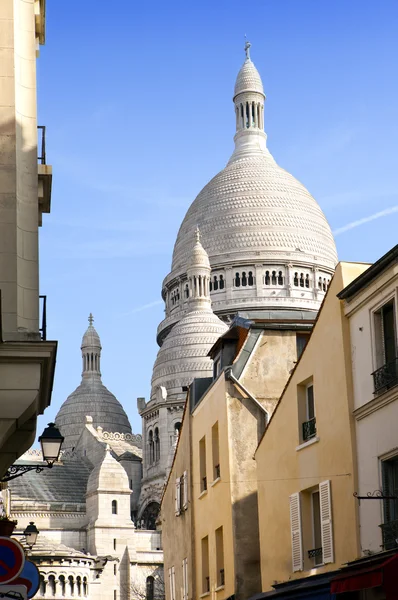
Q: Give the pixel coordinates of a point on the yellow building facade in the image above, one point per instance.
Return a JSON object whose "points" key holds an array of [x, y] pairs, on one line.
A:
{"points": [[209, 512], [306, 461]]}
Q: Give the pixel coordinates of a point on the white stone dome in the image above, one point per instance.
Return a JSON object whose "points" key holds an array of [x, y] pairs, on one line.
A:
{"points": [[268, 241], [91, 397], [183, 356], [248, 79]]}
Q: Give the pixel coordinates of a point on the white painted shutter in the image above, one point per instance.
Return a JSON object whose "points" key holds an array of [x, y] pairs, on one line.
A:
{"points": [[295, 523], [185, 579], [171, 585], [185, 480], [326, 522], [177, 497]]}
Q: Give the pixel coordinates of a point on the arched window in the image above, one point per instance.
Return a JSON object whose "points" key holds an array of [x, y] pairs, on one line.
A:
{"points": [[301, 279], [295, 280], [244, 279], [79, 585], [307, 281], [221, 282], [250, 279], [280, 278], [150, 447], [71, 585], [114, 507], [186, 291], [320, 283], [273, 278], [237, 280], [324, 285], [157, 445], [211, 285], [177, 427], [61, 580], [267, 278], [150, 515], [85, 586], [150, 587], [51, 585], [42, 586], [215, 284]]}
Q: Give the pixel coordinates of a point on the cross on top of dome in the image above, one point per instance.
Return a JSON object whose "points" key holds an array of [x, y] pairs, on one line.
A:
{"points": [[91, 319], [247, 49]]}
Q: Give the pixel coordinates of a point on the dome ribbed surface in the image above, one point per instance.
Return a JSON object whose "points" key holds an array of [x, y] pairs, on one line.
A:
{"points": [[91, 338], [253, 208], [183, 356], [92, 398], [248, 79]]}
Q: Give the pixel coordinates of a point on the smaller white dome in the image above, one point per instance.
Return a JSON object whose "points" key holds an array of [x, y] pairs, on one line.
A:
{"points": [[91, 338], [109, 475], [199, 257], [248, 79]]}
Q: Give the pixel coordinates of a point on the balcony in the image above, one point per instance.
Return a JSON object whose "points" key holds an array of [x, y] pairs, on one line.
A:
{"points": [[203, 486], [45, 174], [217, 472], [389, 533], [309, 429], [386, 377]]}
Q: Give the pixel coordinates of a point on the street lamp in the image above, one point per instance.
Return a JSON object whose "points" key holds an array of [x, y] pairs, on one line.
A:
{"points": [[51, 441], [31, 532]]}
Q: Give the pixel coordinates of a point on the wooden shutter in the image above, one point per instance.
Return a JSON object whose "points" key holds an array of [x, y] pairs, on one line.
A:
{"points": [[295, 523], [326, 522], [177, 496], [185, 492]]}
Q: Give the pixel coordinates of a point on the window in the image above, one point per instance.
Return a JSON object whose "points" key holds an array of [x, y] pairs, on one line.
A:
{"points": [[267, 279], [85, 586], [220, 557], [202, 464], [244, 279], [295, 280], [280, 278], [215, 451], [114, 595], [311, 527], [181, 493], [157, 445], [62, 584], [237, 280], [114, 543], [221, 282], [185, 579], [186, 291], [306, 411], [217, 366], [150, 448], [301, 342], [114, 507], [172, 583], [150, 587], [386, 374], [250, 279], [114, 569], [389, 472], [273, 278], [205, 565]]}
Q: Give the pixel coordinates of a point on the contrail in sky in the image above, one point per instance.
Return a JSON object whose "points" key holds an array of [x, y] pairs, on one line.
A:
{"points": [[378, 215], [141, 308]]}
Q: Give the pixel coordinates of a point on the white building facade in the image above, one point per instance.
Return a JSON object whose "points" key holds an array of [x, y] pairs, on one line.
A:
{"points": [[371, 303]]}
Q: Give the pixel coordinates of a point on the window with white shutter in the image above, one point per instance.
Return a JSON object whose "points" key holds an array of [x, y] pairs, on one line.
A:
{"points": [[177, 497], [185, 579], [295, 523], [185, 491], [326, 522], [172, 584]]}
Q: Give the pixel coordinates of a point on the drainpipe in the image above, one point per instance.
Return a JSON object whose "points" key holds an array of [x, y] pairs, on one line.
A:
{"points": [[229, 376]]}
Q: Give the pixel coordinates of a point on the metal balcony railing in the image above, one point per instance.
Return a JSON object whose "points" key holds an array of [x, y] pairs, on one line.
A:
{"points": [[222, 577], [204, 484], [389, 533], [309, 429], [385, 377], [217, 472], [315, 553], [41, 144], [207, 584], [43, 328]]}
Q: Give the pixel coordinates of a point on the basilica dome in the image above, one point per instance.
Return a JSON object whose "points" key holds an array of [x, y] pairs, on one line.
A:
{"points": [[268, 241], [184, 354], [90, 398]]}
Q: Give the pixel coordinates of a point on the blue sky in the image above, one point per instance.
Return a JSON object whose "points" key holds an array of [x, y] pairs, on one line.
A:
{"points": [[137, 100]]}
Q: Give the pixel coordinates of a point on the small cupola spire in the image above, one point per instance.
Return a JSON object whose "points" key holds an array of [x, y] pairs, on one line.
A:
{"points": [[198, 272], [249, 96], [91, 351]]}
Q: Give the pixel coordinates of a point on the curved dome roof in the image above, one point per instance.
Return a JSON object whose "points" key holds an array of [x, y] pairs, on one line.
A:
{"points": [[183, 355], [248, 79], [90, 398], [253, 207]]}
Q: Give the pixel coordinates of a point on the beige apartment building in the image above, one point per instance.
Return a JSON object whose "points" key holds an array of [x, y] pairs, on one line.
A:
{"points": [[306, 461], [209, 513], [370, 305], [27, 360]]}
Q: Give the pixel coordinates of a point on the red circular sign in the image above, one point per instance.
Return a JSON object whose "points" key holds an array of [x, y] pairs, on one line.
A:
{"points": [[12, 559]]}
